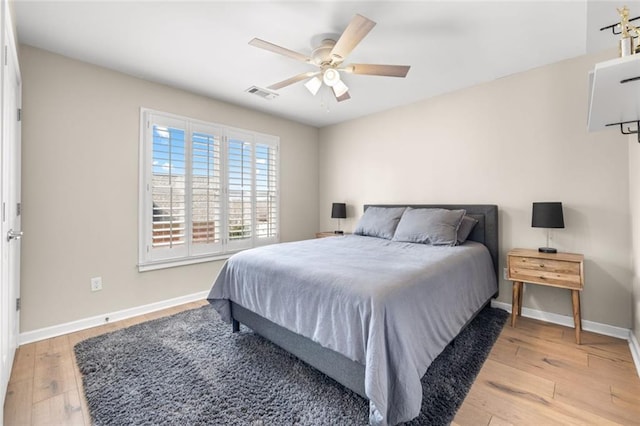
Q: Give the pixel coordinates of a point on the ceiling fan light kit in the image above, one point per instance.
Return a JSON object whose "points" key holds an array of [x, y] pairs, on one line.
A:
{"points": [[339, 88], [330, 77], [329, 56], [313, 85]]}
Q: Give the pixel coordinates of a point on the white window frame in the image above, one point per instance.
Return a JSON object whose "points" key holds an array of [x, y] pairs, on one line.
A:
{"points": [[153, 258]]}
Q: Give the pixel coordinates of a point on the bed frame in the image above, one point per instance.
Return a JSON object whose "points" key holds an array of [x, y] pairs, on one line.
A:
{"points": [[347, 372]]}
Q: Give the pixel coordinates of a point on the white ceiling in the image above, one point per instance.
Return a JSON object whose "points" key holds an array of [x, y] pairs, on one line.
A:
{"points": [[203, 46]]}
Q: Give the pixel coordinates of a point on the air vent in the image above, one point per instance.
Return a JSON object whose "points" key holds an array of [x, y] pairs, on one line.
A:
{"points": [[263, 93]]}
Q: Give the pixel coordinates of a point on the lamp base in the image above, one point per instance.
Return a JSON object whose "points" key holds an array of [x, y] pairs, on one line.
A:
{"points": [[547, 250], [338, 232]]}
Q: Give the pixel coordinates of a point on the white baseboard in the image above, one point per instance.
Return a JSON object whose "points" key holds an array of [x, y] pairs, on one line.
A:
{"points": [[596, 327], [70, 327], [635, 350]]}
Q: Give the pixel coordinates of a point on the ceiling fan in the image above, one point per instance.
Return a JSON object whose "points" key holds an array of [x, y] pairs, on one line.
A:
{"points": [[329, 57]]}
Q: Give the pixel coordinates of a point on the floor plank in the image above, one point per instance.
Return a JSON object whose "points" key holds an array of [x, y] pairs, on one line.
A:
{"points": [[555, 347], [18, 402], [24, 362], [53, 371], [597, 402], [535, 375], [560, 370], [470, 415], [497, 421], [525, 407], [62, 409]]}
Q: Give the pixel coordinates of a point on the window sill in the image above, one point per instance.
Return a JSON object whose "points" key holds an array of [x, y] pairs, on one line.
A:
{"points": [[171, 263]]}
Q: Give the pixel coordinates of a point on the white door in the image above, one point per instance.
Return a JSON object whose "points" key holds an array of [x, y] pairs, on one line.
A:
{"points": [[10, 206]]}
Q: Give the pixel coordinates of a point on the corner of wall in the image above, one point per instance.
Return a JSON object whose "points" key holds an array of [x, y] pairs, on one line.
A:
{"points": [[634, 211]]}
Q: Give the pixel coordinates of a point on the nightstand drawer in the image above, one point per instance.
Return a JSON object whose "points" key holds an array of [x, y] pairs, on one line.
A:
{"points": [[567, 280], [562, 267], [553, 269]]}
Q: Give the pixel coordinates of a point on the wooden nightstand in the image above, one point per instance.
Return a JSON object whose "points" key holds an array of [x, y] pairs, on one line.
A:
{"points": [[563, 270], [329, 234]]}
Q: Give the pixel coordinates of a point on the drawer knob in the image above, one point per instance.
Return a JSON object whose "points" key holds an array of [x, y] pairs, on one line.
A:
{"points": [[542, 265]]}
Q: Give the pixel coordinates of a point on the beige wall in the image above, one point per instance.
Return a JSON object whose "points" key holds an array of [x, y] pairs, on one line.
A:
{"points": [[634, 201], [509, 142], [80, 187]]}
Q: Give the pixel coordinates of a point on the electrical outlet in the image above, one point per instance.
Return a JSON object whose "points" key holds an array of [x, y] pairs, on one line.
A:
{"points": [[504, 273], [96, 283]]}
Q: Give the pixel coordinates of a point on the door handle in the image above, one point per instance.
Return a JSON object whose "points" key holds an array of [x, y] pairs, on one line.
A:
{"points": [[14, 235]]}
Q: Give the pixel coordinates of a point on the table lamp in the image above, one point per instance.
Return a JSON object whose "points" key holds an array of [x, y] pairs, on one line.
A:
{"points": [[547, 215], [339, 211]]}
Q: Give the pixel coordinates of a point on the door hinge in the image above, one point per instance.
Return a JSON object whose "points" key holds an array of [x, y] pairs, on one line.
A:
{"points": [[6, 62], [19, 114], [18, 304], [18, 209]]}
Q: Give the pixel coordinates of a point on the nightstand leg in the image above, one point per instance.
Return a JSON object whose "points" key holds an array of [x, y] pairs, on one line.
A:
{"points": [[520, 295], [515, 302], [575, 297]]}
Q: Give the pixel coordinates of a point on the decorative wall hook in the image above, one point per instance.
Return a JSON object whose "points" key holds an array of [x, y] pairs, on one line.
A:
{"points": [[617, 24], [628, 131]]}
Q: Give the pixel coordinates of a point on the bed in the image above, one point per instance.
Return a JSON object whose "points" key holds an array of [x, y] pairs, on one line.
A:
{"points": [[330, 302]]}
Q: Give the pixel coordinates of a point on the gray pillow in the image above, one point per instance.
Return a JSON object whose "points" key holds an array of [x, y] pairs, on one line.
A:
{"points": [[466, 226], [438, 227], [379, 222]]}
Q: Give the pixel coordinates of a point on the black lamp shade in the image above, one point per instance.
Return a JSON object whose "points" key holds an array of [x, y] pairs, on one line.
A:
{"points": [[547, 215], [339, 211]]}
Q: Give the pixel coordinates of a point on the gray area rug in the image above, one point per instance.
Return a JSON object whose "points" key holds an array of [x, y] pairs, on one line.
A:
{"points": [[190, 369]]}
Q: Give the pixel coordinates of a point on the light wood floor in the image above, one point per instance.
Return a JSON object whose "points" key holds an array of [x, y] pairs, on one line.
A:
{"points": [[535, 375]]}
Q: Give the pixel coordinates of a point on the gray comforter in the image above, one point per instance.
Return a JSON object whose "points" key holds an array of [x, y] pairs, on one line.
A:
{"points": [[388, 305]]}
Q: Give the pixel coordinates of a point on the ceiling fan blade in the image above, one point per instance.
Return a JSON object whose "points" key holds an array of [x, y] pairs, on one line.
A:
{"points": [[357, 29], [344, 97], [294, 79], [256, 42], [383, 70]]}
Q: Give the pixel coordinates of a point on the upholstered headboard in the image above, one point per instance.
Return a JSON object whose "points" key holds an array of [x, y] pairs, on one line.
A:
{"points": [[485, 232]]}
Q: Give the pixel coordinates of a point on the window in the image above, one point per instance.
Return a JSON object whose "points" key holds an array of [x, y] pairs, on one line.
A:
{"points": [[206, 190]]}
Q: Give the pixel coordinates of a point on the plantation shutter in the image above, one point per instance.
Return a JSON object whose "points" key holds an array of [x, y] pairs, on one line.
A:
{"points": [[168, 183], [206, 190], [239, 190], [266, 187]]}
